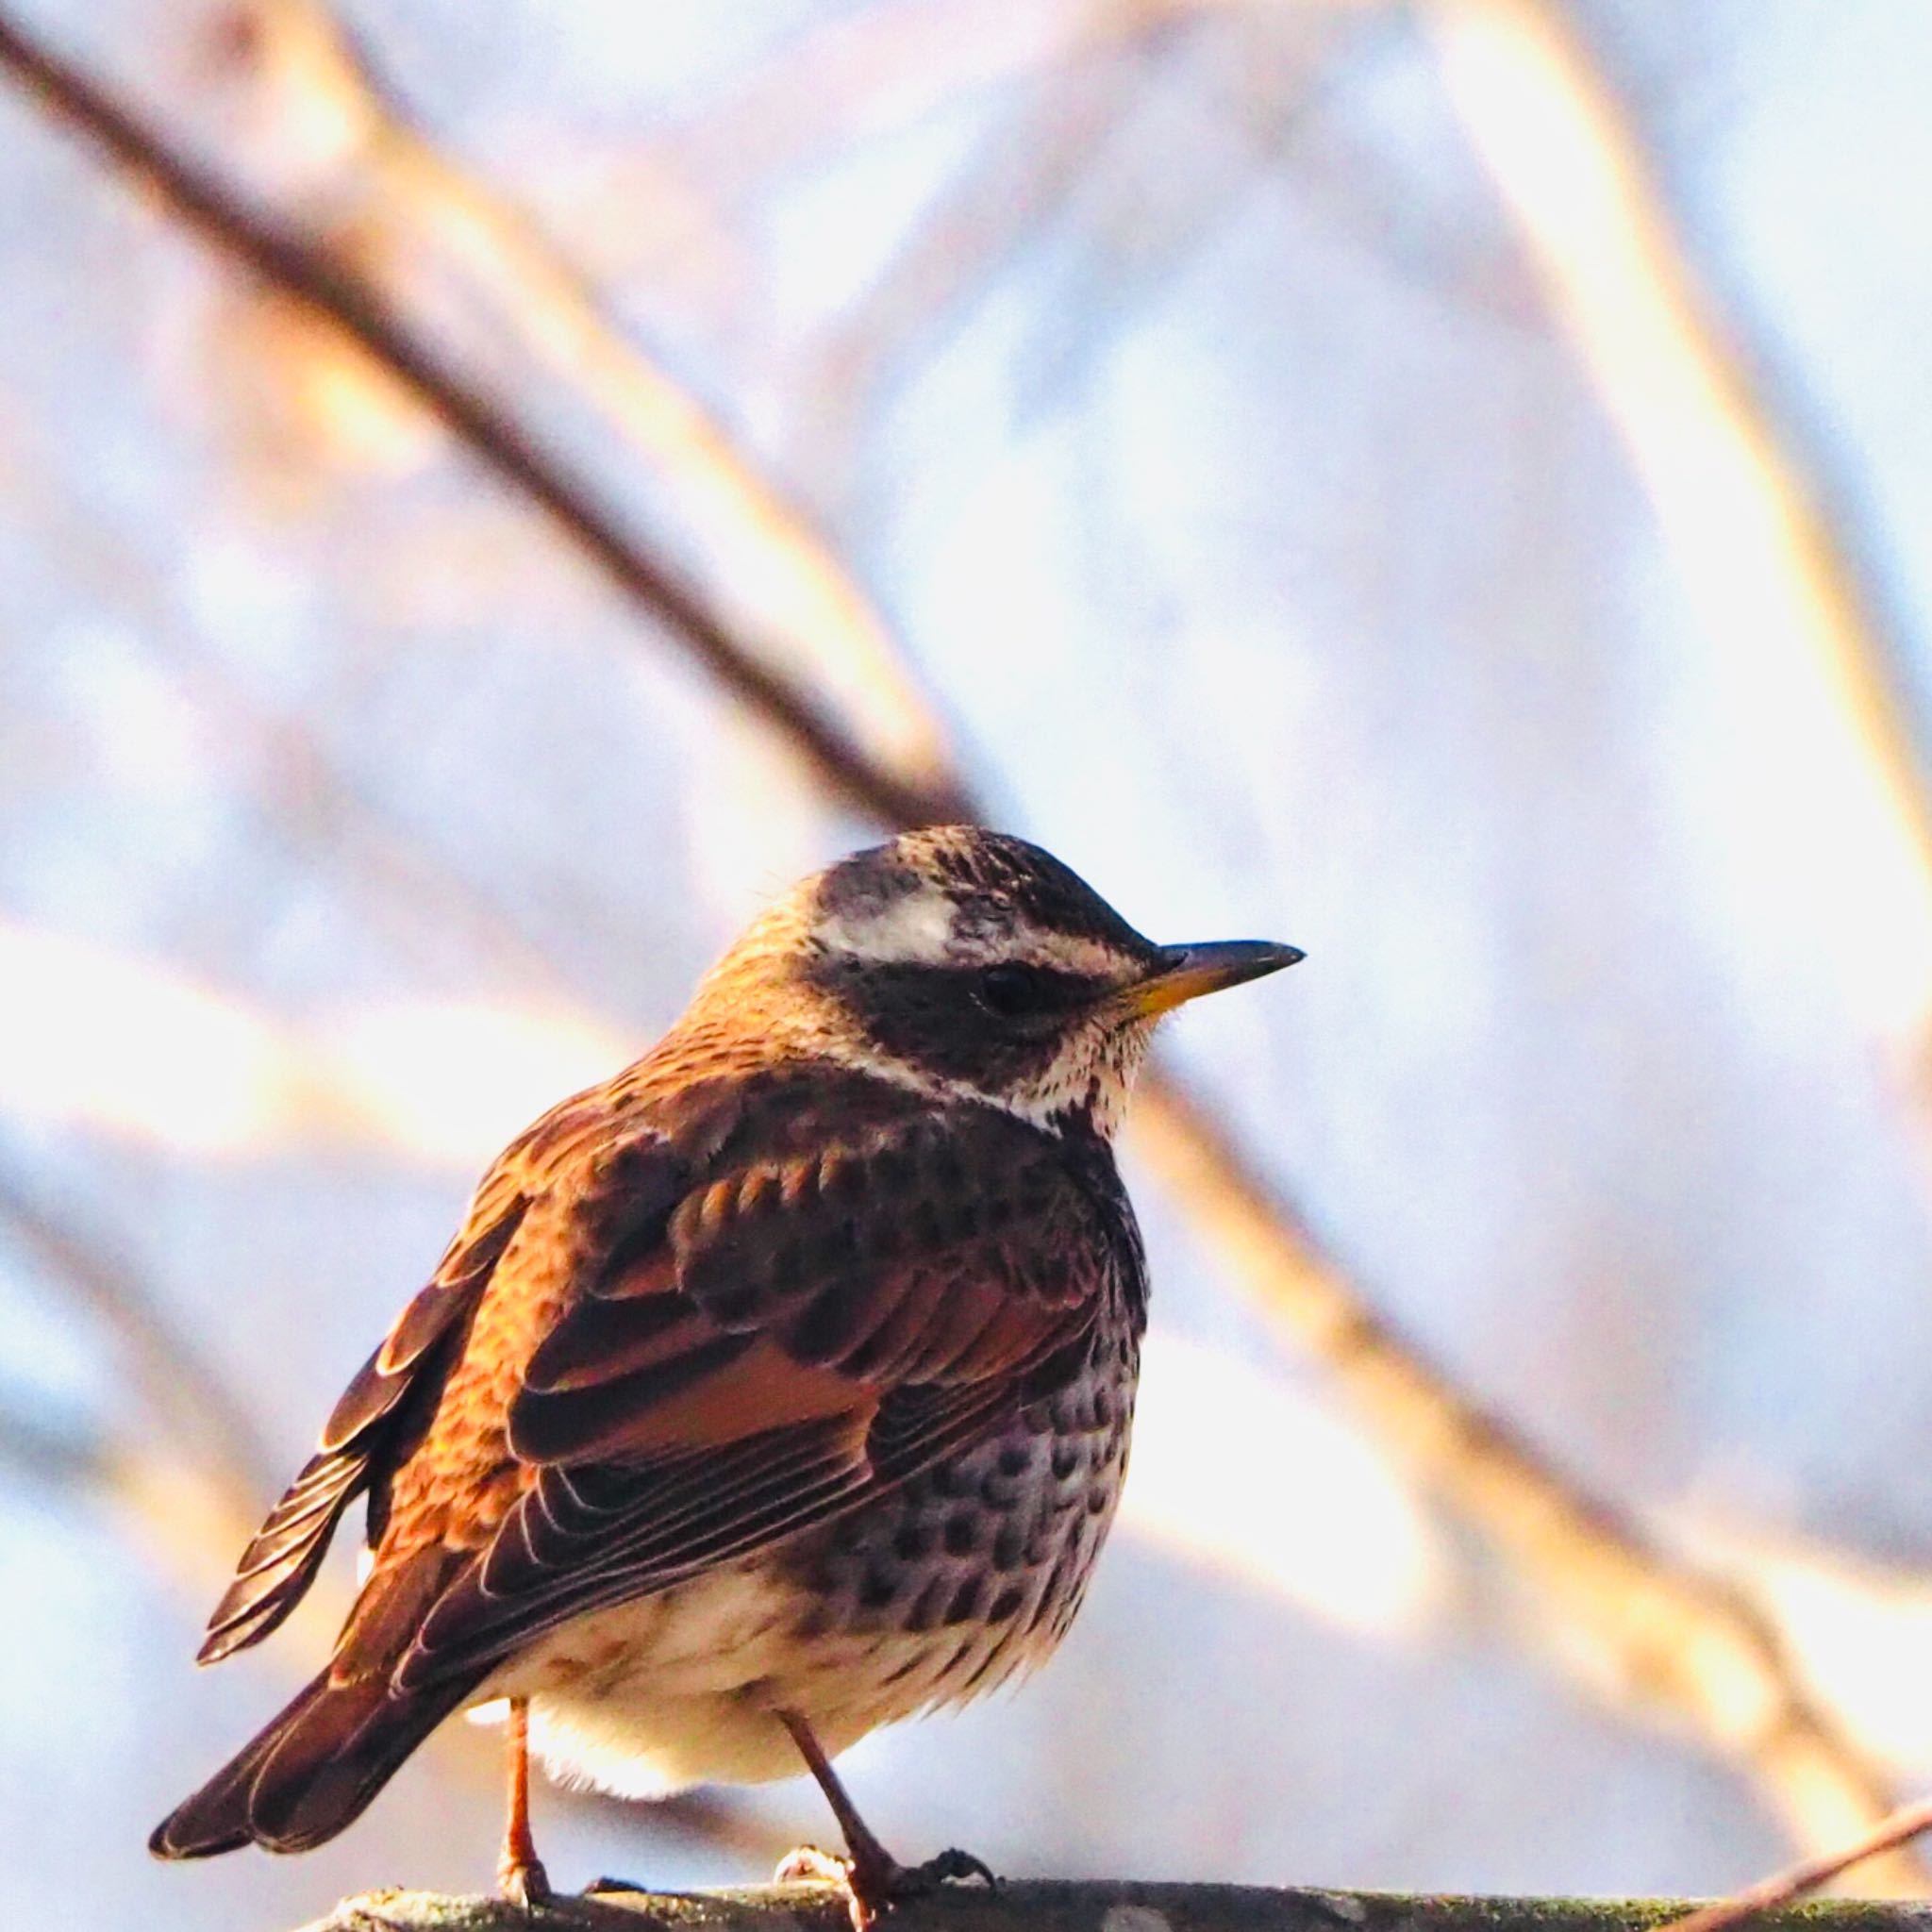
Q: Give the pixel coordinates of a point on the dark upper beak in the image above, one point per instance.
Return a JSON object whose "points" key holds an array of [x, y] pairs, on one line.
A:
{"points": [[1184, 973]]}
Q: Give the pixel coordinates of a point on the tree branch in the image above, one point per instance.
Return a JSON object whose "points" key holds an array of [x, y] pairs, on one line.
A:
{"points": [[1097, 1907], [1672, 1635]]}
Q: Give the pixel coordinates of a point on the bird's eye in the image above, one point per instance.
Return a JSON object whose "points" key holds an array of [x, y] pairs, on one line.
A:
{"points": [[1010, 991]]}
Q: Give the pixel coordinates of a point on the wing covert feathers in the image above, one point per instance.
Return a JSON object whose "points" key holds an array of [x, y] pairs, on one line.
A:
{"points": [[812, 1328]]}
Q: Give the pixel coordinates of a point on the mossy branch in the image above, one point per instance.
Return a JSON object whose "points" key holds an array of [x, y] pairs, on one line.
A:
{"points": [[1095, 1907]]}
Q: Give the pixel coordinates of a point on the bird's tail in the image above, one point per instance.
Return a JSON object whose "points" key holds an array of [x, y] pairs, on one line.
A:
{"points": [[311, 1771]]}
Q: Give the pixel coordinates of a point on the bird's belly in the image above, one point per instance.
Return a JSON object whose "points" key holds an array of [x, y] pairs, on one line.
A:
{"points": [[933, 1595]]}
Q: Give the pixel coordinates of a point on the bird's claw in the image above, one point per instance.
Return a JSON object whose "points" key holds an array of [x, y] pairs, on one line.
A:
{"points": [[872, 1885], [954, 1867]]}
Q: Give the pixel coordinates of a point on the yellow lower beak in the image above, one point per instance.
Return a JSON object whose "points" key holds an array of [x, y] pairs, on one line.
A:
{"points": [[1184, 973]]}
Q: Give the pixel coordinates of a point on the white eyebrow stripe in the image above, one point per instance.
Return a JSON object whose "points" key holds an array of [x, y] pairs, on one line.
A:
{"points": [[921, 928], [913, 930]]}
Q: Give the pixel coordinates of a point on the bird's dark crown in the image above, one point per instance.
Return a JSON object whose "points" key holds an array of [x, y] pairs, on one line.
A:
{"points": [[957, 894], [1000, 889]]}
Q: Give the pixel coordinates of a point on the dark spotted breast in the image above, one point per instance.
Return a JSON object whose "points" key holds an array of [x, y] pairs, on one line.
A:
{"points": [[986, 1556]]}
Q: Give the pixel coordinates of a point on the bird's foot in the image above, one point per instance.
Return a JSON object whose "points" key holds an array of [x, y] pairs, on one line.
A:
{"points": [[873, 1880], [951, 1866], [524, 1883]]}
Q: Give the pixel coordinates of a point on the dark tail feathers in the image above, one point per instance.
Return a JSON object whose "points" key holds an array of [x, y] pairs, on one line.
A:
{"points": [[311, 1774]]}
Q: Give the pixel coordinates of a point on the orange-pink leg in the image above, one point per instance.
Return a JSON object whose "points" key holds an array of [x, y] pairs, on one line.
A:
{"points": [[869, 1875], [518, 1870]]}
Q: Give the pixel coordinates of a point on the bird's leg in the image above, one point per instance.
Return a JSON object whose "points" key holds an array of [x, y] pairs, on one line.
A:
{"points": [[868, 1860], [869, 1875], [520, 1872]]}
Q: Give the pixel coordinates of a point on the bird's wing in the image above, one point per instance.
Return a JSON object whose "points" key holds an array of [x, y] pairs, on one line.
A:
{"points": [[807, 1326], [369, 1425]]}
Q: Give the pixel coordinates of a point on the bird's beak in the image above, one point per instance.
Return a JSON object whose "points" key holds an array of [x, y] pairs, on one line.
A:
{"points": [[1184, 973]]}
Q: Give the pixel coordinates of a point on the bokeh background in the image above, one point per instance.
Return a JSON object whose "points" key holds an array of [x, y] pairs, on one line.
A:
{"points": [[1447, 483]]}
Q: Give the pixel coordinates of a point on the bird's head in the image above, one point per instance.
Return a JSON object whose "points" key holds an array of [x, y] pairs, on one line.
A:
{"points": [[976, 965]]}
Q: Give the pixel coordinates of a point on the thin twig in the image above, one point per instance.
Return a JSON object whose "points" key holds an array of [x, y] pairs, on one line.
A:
{"points": [[1795, 1881], [1679, 1637]]}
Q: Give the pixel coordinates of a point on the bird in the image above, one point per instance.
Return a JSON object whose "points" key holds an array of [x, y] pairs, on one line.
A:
{"points": [[775, 1390]]}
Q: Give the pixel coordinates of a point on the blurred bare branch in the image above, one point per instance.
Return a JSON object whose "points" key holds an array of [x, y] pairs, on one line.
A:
{"points": [[1755, 545], [876, 68], [46, 1452], [447, 251], [190, 1471], [294, 791], [324, 271], [182, 1390], [191, 1482], [186, 1472], [1030, 167], [1748, 530], [1658, 1627], [1636, 1620], [1072, 143], [1246, 86]]}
